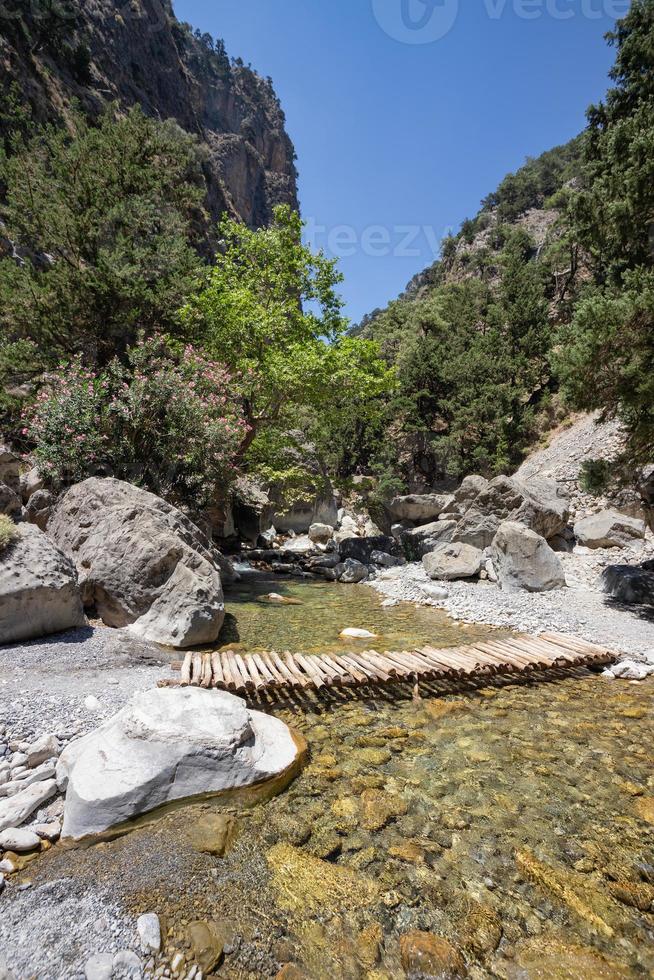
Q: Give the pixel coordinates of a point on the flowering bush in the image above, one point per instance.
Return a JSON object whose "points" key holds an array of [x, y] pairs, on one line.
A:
{"points": [[170, 420]]}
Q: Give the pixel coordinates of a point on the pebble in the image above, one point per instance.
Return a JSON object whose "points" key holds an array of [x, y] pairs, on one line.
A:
{"points": [[91, 703], [48, 831], [149, 931]]}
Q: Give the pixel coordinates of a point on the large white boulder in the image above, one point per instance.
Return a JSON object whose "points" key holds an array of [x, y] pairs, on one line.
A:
{"points": [[609, 529], [523, 560], [141, 562], [448, 562], [169, 744], [38, 588]]}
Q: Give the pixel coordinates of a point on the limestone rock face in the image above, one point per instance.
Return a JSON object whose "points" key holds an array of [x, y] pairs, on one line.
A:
{"points": [[540, 505], [421, 508], [448, 562], [39, 508], [39, 593], [523, 560], [168, 744], [140, 562], [608, 529]]}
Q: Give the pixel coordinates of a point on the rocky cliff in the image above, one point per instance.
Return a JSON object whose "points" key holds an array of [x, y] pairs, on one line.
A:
{"points": [[94, 52]]}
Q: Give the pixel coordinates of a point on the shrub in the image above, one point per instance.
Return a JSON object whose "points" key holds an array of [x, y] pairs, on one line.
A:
{"points": [[170, 420], [595, 476], [8, 531]]}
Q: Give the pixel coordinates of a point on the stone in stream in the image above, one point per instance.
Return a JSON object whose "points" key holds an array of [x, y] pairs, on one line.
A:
{"points": [[38, 588], [352, 633], [428, 955], [351, 571], [165, 745], [523, 560]]}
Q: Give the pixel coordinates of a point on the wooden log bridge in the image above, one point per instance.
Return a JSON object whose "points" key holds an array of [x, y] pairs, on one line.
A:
{"points": [[250, 673]]}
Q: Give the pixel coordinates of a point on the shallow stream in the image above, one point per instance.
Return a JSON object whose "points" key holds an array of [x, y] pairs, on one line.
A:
{"points": [[514, 822]]}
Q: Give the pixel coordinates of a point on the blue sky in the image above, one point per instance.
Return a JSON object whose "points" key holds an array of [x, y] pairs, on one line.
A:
{"points": [[399, 132]]}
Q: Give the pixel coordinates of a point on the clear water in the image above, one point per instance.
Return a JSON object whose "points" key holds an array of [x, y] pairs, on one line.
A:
{"points": [[323, 610], [514, 821]]}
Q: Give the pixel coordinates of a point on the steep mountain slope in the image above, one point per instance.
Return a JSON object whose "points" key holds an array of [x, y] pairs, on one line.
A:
{"points": [[100, 51]]}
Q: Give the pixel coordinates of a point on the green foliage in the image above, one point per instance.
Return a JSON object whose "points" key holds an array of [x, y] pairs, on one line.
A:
{"points": [[268, 308], [473, 364], [104, 219], [533, 183], [606, 356], [595, 475], [8, 532], [169, 420]]}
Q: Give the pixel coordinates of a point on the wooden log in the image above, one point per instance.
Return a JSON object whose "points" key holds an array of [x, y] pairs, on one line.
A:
{"points": [[573, 643], [251, 667], [196, 672], [332, 670], [549, 653], [352, 668], [185, 678], [237, 678], [217, 670], [369, 666], [400, 664], [300, 678], [384, 663], [446, 663], [265, 671], [311, 670], [416, 665], [205, 676], [494, 657], [469, 659], [510, 654], [282, 669], [242, 669]]}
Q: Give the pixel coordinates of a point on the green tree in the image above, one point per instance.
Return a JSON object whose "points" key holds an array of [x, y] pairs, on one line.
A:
{"points": [[104, 222], [268, 309], [606, 356]]}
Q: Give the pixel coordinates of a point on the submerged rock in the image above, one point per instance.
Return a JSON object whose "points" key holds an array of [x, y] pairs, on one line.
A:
{"points": [[166, 745], [306, 884], [425, 954]]}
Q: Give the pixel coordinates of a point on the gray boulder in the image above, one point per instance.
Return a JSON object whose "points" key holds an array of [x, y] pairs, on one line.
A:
{"points": [[609, 529], [421, 508], [39, 593], [540, 505], [10, 502], [141, 562], [467, 493], [631, 584], [30, 482], [523, 560], [383, 560], [165, 745], [39, 508], [251, 511], [362, 549], [419, 541], [456, 560], [351, 571]]}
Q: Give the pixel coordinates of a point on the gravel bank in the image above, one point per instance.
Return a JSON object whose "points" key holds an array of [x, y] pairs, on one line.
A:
{"points": [[581, 609]]}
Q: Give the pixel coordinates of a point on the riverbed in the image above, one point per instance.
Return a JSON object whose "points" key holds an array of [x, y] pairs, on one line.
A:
{"points": [[512, 821]]}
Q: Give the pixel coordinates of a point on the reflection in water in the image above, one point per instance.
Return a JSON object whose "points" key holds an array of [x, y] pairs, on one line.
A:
{"points": [[325, 609]]}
